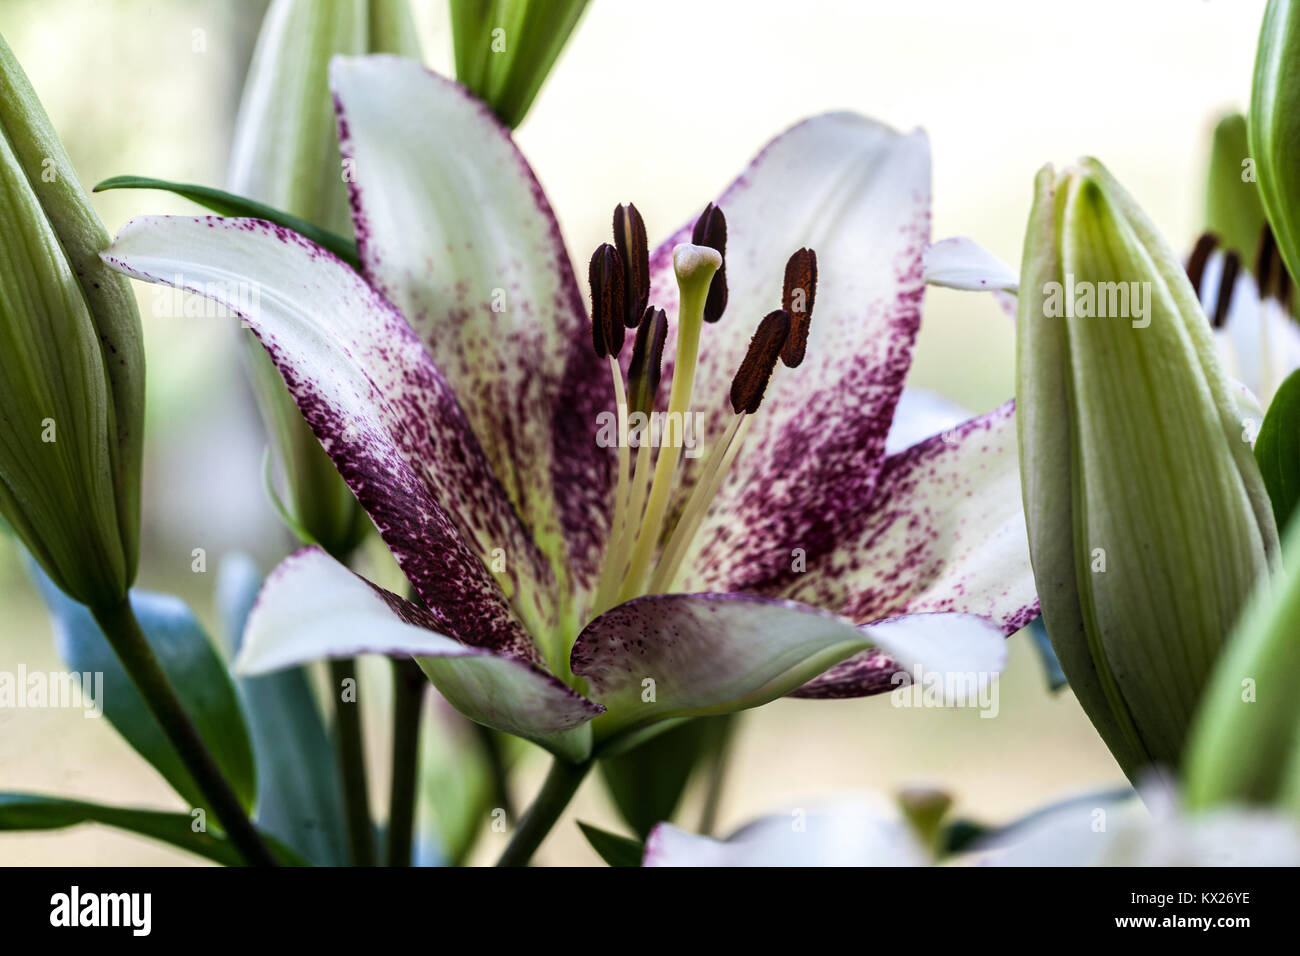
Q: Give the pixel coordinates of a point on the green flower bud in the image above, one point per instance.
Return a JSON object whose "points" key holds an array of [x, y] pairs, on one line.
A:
{"points": [[1233, 211], [71, 365], [1245, 744], [1275, 125], [286, 155], [1148, 520], [505, 48]]}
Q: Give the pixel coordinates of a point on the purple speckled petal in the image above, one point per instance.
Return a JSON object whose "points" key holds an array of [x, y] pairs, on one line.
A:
{"points": [[945, 532], [455, 230], [380, 407], [859, 194], [678, 655], [311, 607]]}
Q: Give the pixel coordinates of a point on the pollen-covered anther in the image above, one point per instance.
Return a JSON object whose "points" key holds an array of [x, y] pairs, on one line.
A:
{"points": [[797, 295], [644, 373], [1205, 245], [711, 230], [765, 347], [634, 250], [608, 300], [1227, 283]]}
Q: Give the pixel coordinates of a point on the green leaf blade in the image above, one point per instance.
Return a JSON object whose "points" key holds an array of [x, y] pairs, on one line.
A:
{"points": [[229, 204]]}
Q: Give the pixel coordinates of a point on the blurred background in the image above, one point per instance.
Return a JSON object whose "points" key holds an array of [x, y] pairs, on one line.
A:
{"points": [[151, 88]]}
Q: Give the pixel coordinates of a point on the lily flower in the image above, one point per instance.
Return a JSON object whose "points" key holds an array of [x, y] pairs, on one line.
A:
{"points": [[1257, 339], [565, 593], [1097, 830]]}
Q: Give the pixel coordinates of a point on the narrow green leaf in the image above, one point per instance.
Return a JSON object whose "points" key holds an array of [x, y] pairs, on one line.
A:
{"points": [[1278, 450], [613, 849], [298, 797], [228, 204], [31, 811], [195, 669]]}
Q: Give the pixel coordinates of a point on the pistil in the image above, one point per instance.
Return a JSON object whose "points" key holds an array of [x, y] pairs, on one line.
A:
{"points": [[695, 267]]}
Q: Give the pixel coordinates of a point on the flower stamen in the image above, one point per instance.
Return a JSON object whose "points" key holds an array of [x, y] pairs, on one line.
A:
{"points": [[695, 267]]}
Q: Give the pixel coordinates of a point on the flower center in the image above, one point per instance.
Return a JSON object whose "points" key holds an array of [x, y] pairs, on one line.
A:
{"points": [[635, 563]]}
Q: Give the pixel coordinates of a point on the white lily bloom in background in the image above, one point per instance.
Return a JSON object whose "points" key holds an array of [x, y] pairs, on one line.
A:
{"points": [[1084, 831], [845, 833], [1257, 337], [456, 387]]}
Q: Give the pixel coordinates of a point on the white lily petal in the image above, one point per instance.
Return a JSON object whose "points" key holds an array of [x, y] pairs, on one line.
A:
{"points": [[454, 229], [380, 407], [920, 414], [312, 608], [1070, 836], [858, 193], [962, 263], [844, 834], [719, 653]]}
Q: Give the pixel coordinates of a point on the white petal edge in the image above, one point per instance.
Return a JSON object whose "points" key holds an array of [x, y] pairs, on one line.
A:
{"points": [[962, 263]]}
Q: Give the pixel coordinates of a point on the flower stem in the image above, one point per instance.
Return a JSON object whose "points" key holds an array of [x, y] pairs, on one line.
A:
{"points": [[123, 631], [409, 683], [352, 764], [560, 786]]}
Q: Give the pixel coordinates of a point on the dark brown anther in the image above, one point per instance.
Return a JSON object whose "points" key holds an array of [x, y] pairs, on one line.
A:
{"points": [[647, 361], [711, 230], [797, 298], [1270, 270], [1200, 255], [1227, 282], [764, 349], [607, 300], [630, 240]]}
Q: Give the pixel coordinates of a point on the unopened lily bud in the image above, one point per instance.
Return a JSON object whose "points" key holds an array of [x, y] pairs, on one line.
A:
{"points": [[1233, 211], [1275, 125], [505, 50], [1149, 525], [71, 365], [286, 155]]}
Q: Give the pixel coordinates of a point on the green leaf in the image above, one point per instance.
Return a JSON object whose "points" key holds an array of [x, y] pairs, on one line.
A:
{"points": [[613, 849], [298, 797], [647, 782], [195, 670], [505, 48], [1278, 450], [228, 204], [30, 811]]}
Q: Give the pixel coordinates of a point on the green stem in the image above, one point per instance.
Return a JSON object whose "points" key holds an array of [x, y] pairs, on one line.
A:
{"points": [[500, 774], [560, 786], [123, 631], [352, 764], [717, 773], [409, 684]]}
